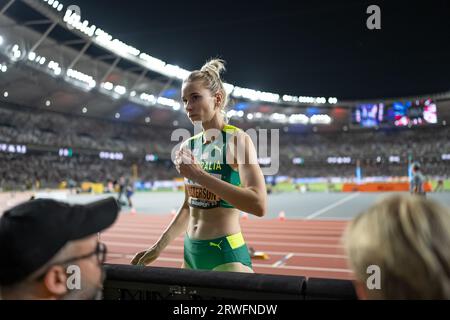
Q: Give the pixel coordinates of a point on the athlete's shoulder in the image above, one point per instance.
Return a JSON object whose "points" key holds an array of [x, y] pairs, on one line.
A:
{"points": [[231, 129]]}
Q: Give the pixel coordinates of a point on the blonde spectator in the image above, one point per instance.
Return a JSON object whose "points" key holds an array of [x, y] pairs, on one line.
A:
{"points": [[408, 238]]}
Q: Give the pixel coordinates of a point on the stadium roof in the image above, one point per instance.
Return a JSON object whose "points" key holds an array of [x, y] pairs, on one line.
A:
{"points": [[307, 48], [110, 77]]}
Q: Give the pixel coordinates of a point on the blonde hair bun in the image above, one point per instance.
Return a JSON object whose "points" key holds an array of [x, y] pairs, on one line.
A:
{"points": [[214, 66]]}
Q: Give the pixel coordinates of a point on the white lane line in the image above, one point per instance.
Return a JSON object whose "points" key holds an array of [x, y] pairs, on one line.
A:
{"points": [[309, 255], [331, 206], [252, 233], [263, 243], [304, 225], [152, 235], [180, 249], [283, 261], [303, 268], [130, 256]]}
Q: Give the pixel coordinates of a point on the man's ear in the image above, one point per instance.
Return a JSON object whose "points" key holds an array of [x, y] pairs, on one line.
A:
{"points": [[361, 290], [55, 281]]}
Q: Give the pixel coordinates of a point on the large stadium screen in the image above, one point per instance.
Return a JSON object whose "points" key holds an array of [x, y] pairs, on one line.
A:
{"points": [[413, 113], [368, 115]]}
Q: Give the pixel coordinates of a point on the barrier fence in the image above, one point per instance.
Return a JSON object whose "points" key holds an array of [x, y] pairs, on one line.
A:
{"points": [[126, 282]]}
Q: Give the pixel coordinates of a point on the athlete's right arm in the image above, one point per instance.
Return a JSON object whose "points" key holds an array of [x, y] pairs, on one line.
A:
{"points": [[177, 227]]}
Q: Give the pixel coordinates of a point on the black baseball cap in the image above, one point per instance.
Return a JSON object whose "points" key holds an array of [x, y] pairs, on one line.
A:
{"points": [[34, 231]]}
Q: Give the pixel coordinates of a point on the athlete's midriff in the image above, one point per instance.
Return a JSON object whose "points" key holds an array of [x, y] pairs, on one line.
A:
{"points": [[205, 224]]}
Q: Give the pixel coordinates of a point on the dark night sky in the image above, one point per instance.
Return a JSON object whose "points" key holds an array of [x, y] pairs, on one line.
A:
{"points": [[312, 48]]}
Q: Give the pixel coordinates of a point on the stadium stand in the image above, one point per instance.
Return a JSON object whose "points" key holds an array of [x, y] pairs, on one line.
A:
{"points": [[44, 132], [59, 145]]}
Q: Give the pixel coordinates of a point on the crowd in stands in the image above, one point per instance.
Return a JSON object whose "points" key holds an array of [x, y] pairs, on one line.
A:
{"points": [[54, 129], [20, 172], [50, 130], [419, 142]]}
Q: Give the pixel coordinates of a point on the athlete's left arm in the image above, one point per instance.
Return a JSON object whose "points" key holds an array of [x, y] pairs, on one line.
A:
{"points": [[251, 196]]}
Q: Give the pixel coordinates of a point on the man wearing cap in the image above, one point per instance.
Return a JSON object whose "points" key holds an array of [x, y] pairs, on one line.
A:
{"points": [[46, 244]]}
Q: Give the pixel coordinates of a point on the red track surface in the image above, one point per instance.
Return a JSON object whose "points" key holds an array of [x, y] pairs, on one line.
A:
{"points": [[295, 247]]}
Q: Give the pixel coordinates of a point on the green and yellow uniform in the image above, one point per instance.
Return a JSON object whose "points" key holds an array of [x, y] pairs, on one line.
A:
{"points": [[208, 254]]}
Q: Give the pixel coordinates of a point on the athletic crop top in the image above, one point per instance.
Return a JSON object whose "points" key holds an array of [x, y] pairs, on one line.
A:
{"points": [[213, 160]]}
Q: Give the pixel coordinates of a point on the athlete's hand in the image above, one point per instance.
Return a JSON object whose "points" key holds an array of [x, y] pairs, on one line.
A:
{"points": [[187, 165], [146, 257]]}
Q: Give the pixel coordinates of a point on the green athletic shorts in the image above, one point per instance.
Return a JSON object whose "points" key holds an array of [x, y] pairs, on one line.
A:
{"points": [[209, 254]]}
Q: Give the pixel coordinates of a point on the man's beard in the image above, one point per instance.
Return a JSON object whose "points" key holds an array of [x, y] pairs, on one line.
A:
{"points": [[88, 291]]}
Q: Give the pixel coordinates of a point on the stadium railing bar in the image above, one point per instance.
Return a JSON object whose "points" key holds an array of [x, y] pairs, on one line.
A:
{"points": [[329, 289], [126, 282]]}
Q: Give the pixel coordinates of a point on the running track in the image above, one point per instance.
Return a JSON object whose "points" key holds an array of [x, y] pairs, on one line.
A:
{"points": [[310, 248], [307, 243]]}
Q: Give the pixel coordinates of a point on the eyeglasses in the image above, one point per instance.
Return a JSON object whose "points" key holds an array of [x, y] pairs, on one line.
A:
{"points": [[100, 251]]}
